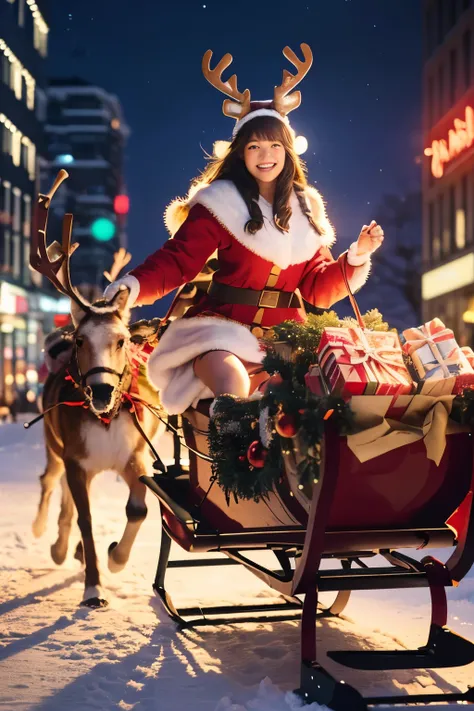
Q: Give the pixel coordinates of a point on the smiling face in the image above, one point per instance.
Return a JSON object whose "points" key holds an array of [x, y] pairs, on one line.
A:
{"points": [[264, 159]]}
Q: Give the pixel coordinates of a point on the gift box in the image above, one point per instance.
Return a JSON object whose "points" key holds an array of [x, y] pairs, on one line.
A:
{"points": [[355, 361], [315, 382], [437, 362], [469, 354]]}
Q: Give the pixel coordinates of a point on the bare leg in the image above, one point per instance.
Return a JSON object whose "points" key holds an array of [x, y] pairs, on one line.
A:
{"points": [[59, 548], [77, 480], [136, 511], [54, 470], [223, 373]]}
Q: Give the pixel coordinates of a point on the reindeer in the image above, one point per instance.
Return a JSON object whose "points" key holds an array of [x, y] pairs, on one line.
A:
{"points": [[87, 426]]}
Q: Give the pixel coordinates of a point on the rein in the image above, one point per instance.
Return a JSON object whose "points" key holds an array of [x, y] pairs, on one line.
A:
{"points": [[124, 398]]}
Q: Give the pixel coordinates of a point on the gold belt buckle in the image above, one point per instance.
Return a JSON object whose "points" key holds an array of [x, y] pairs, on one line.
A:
{"points": [[268, 299]]}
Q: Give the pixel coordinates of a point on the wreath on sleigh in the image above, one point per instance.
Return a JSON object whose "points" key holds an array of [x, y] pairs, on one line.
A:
{"points": [[249, 438]]}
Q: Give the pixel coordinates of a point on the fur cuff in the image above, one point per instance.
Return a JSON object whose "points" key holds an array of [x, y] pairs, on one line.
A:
{"points": [[360, 275], [354, 259], [131, 282], [170, 366]]}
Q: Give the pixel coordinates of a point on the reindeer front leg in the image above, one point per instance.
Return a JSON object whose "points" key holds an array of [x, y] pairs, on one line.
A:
{"points": [[77, 480], [136, 511]]}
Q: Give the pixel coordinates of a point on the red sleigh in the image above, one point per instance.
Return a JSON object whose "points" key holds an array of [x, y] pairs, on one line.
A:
{"points": [[396, 501]]}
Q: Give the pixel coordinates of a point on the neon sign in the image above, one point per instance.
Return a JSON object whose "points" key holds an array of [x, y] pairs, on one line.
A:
{"points": [[460, 138]]}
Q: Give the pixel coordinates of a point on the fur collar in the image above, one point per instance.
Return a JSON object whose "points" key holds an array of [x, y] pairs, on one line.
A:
{"points": [[224, 201]]}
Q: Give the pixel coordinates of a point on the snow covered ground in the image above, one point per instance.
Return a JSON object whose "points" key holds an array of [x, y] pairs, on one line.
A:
{"points": [[55, 655]]}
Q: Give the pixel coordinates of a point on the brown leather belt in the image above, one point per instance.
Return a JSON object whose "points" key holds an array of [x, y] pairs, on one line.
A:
{"points": [[266, 299]]}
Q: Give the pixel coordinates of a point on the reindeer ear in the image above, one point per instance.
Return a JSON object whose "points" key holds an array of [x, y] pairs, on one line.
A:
{"points": [[120, 300], [77, 314]]}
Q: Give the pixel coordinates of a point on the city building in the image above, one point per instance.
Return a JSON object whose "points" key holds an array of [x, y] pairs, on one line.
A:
{"points": [[448, 165], [86, 135], [27, 306]]}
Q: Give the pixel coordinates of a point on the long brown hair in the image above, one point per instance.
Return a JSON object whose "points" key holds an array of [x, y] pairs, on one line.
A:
{"points": [[292, 177]]}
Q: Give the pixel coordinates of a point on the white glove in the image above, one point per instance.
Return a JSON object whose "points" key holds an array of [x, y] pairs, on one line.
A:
{"points": [[130, 282]]}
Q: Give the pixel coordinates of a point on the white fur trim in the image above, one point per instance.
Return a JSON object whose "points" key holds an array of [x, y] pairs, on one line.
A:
{"points": [[360, 276], [298, 245], [170, 366], [130, 282], [178, 210], [318, 211], [354, 259], [362, 265], [255, 114]]}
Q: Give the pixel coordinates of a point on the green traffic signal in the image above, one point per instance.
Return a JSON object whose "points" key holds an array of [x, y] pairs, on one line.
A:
{"points": [[103, 229]]}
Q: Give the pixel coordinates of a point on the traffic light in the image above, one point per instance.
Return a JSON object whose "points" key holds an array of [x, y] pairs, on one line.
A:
{"points": [[103, 229], [121, 204]]}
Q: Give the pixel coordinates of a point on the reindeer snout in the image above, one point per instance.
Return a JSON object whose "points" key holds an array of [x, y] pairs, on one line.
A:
{"points": [[101, 396]]}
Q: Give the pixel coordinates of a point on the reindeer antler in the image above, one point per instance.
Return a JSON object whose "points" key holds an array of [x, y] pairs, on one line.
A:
{"points": [[121, 259], [282, 102], [241, 104], [54, 261]]}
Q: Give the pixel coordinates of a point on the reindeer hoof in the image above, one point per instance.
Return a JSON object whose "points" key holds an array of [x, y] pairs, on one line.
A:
{"points": [[94, 602], [58, 554], [115, 566]]}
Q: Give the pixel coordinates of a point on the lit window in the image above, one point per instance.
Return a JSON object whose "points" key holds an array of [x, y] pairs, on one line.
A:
{"points": [[27, 216], [16, 224], [7, 251], [460, 228], [16, 257], [16, 147], [7, 200], [12, 142], [26, 264], [15, 75], [29, 157], [40, 29]]}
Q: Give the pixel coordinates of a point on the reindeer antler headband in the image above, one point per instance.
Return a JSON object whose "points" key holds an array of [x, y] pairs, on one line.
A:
{"points": [[241, 107]]}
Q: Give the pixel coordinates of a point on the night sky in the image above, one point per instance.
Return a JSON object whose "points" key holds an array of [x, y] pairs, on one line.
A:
{"points": [[361, 108]]}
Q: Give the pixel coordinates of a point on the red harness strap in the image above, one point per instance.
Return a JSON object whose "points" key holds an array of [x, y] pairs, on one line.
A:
{"points": [[133, 402]]}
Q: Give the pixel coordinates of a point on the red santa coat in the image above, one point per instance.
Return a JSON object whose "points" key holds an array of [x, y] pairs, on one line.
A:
{"points": [[215, 223]]}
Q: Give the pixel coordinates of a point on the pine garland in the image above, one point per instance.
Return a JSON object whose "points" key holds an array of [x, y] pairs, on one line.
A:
{"points": [[462, 410]]}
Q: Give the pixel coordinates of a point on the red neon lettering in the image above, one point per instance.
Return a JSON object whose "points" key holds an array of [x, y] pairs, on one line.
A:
{"points": [[460, 138]]}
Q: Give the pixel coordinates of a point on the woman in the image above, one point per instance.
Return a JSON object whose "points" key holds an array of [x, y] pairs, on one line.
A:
{"points": [[254, 207]]}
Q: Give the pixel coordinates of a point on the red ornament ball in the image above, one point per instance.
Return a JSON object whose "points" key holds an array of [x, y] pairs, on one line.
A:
{"points": [[286, 425], [242, 458], [257, 454], [273, 380]]}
